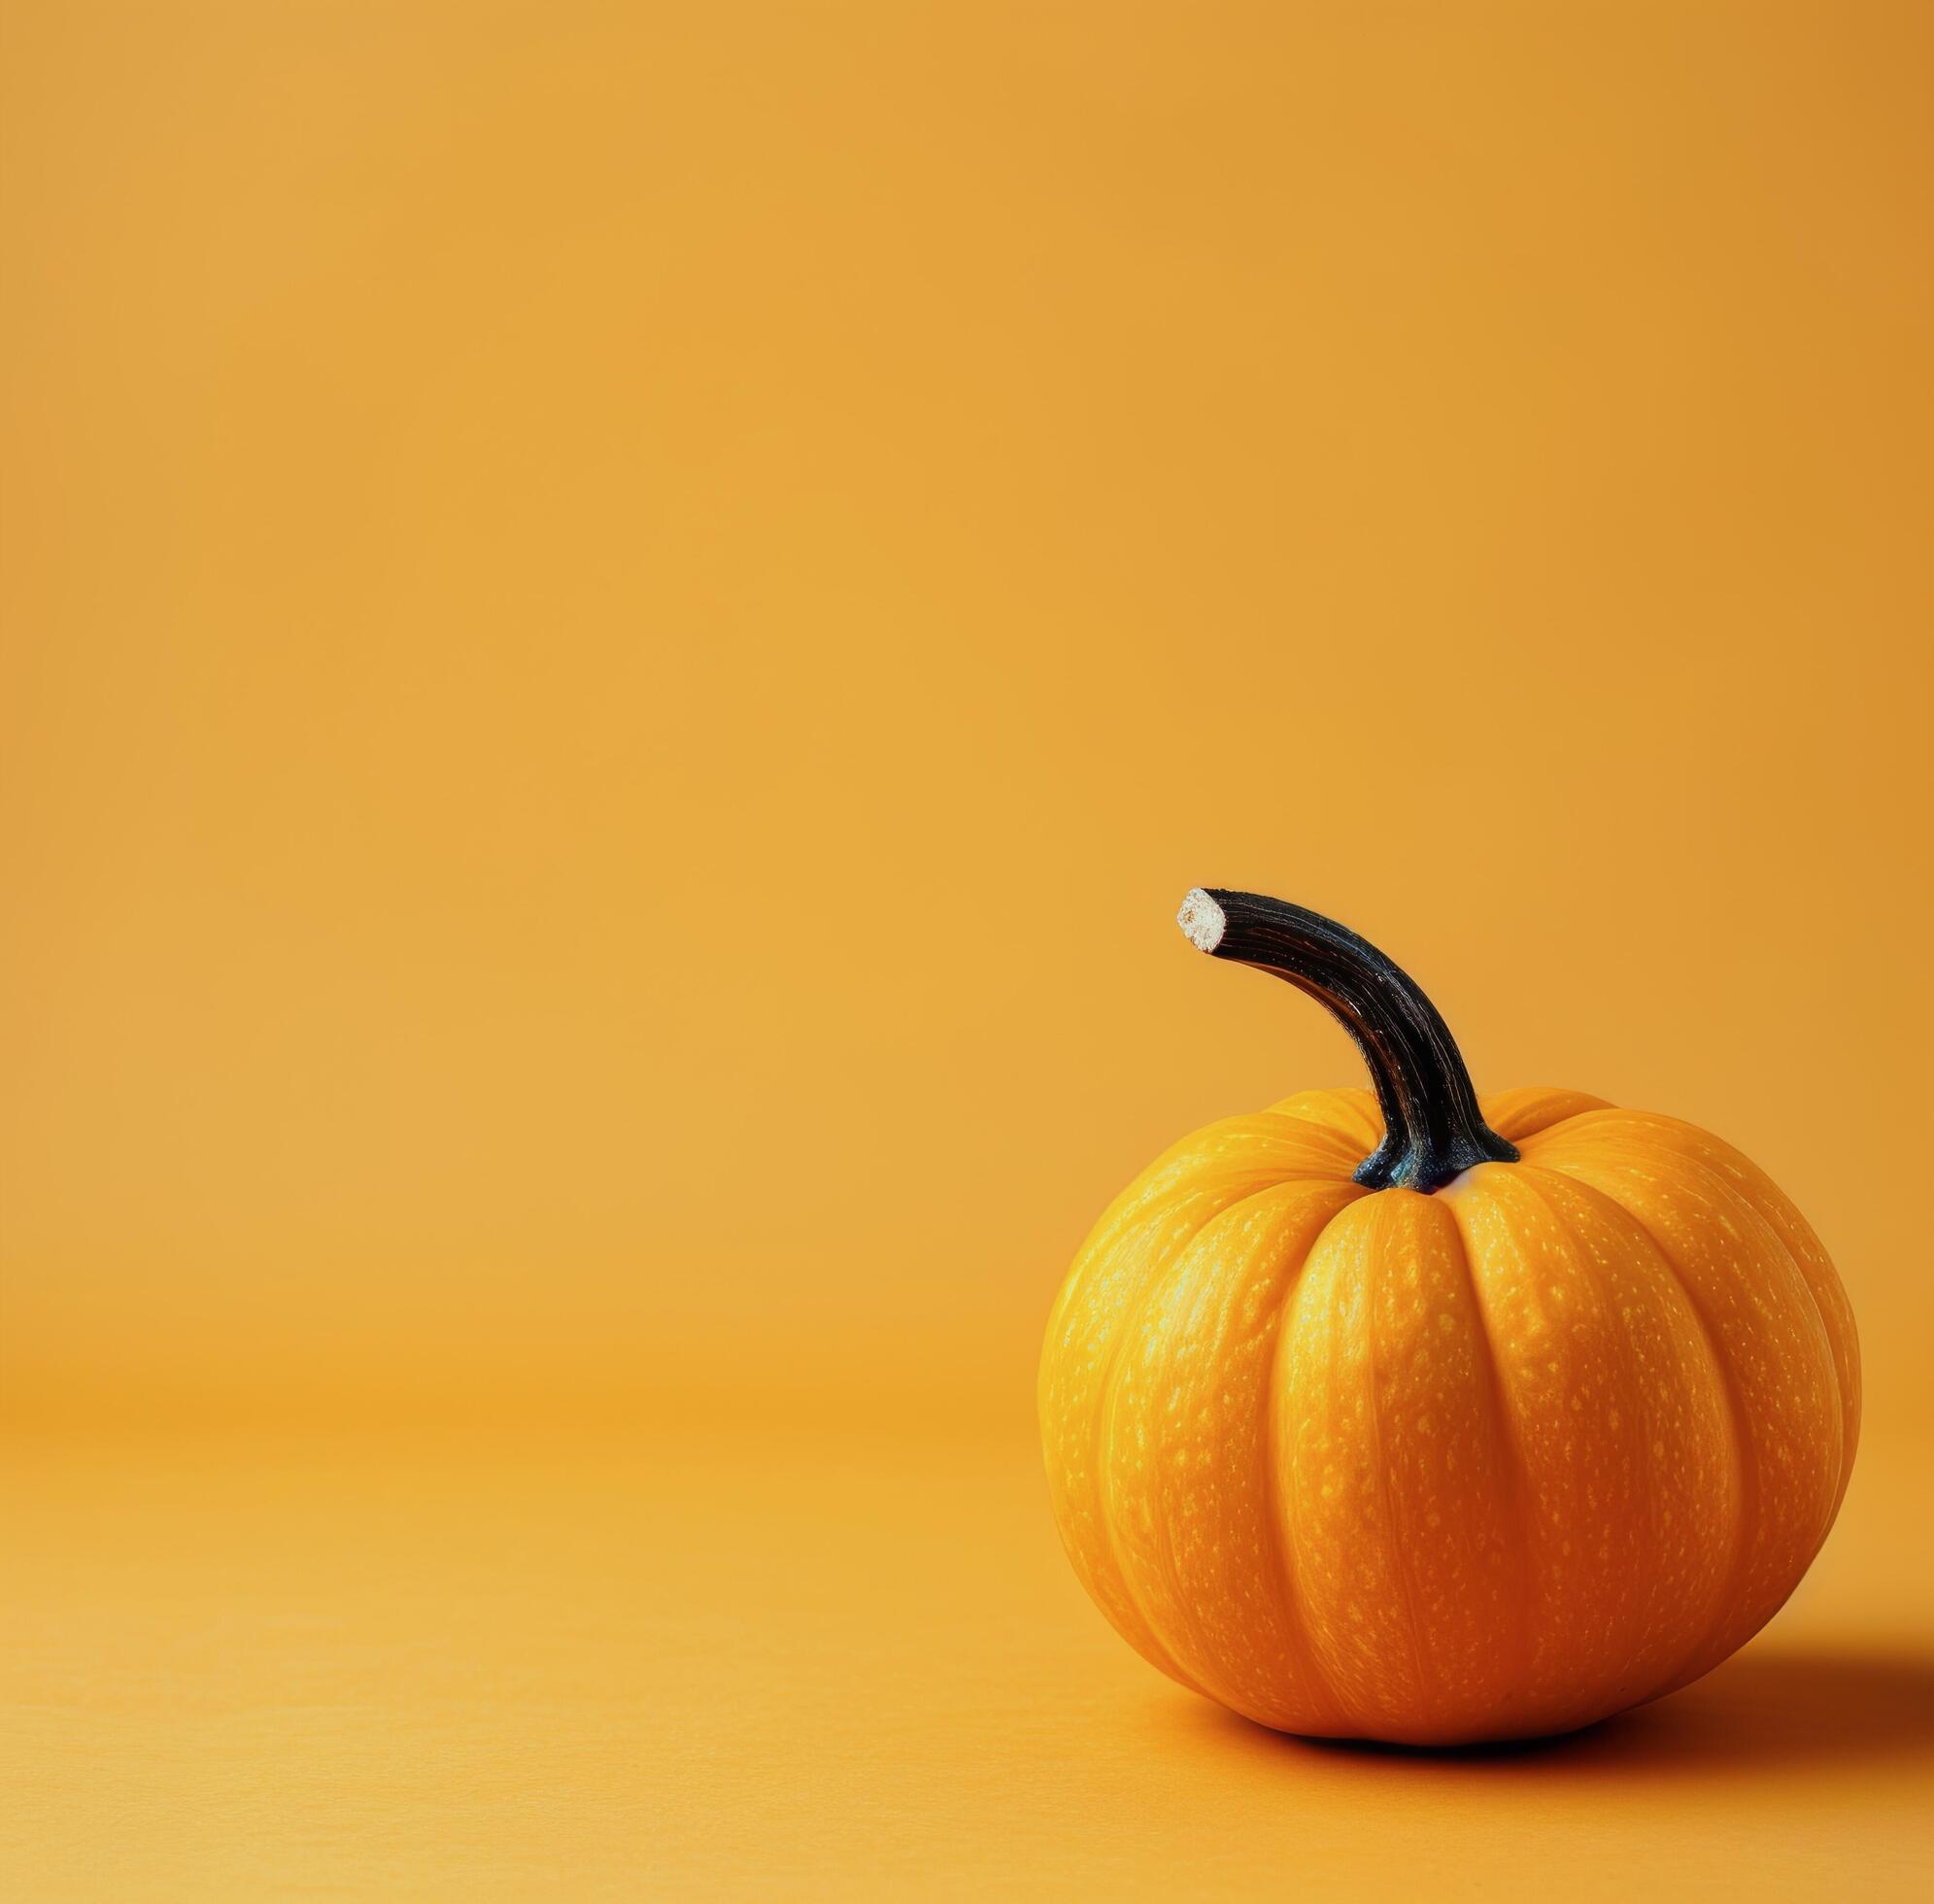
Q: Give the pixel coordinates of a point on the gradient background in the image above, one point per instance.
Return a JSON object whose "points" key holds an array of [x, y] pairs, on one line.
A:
{"points": [[621, 628]]}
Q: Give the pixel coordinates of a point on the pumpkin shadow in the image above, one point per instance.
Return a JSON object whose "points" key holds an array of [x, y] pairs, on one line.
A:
{"points": [[1768, 1711]]}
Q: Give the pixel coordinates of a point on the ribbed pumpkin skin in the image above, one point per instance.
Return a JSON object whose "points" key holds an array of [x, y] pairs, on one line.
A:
{"points": [[1490, 1463]]}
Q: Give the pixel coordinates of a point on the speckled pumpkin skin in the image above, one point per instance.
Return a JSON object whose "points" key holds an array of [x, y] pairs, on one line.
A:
{"points": [[1489, 1463]]}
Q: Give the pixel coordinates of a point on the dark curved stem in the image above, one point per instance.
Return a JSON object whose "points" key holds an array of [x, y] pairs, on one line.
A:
{"points": [[1432, 1126]]}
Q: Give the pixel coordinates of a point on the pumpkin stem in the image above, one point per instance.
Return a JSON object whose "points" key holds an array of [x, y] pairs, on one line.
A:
{"points": [[1432, 1126]]}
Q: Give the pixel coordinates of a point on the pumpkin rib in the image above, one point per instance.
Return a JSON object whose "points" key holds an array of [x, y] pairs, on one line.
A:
{"points": [[1358, 1718], [1175, 1169], [1105, 1409], [1830, 1363], [1102, 1436], [1141, 1206], [1721, 1164], [1725, 1166], [1523, 1182], [1726, 1187], [1216, 1168], [1428, 1682], [1516, 1473], [1745, 1457], [1350, 1387], [1329, 1134], [1347, 1102], [1518, 1114], [1289, 1592], [1656, 1160], [1105, 1423], [1312, 1684], [1726, 1591], [1842, 1365], [1752, 1487]]}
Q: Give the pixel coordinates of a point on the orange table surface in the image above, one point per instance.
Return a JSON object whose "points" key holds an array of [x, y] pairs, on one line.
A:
{"points": [[800, 1662]]}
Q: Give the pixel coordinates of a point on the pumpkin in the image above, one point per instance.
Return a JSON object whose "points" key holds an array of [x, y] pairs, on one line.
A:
{"points": [[1398, 1415]]}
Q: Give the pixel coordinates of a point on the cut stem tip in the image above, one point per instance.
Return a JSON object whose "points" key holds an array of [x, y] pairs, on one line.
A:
{"points": [[1202, 920]]}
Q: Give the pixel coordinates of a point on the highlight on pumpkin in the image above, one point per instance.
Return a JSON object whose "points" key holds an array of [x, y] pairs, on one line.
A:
{"points": [[1407, 1414]]}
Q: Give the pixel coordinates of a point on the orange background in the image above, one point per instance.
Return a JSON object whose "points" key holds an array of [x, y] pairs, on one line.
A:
{"points": [[622, 626]]}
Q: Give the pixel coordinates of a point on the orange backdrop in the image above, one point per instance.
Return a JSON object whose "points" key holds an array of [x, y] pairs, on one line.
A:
{"points": [[623, 626]]}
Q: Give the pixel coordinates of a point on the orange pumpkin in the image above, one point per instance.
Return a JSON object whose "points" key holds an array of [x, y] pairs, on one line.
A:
{"points": [[1400, 1417]]}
